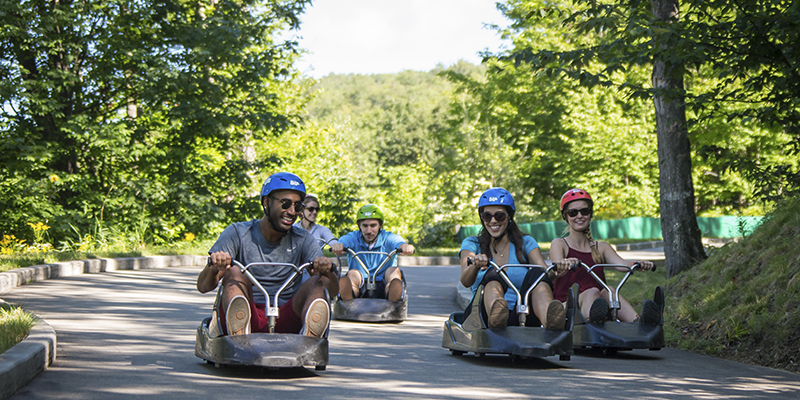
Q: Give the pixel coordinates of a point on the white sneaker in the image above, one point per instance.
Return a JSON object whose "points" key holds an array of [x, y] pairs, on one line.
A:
{"points": [[237, 316], [317, 317]]}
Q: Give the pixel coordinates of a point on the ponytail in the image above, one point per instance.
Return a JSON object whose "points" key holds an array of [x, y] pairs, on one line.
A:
{"points": [[596, 256]]}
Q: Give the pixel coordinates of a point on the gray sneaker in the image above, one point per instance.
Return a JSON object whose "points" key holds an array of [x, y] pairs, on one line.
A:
{"points": [[556, 316], [498, 315]]}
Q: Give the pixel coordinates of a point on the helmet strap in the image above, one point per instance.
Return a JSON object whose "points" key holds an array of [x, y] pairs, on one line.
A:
{"points": [[269, 218]]}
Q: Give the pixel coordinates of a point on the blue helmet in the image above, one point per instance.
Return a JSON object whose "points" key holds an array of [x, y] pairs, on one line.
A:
{"points": [[496, 196], [284, 180]]}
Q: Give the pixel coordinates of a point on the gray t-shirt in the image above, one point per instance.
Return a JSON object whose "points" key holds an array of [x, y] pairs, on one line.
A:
{"points": [[245, 243], [321, 233]]}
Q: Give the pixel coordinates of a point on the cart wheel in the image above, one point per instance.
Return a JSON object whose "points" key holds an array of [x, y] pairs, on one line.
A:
{"points": [[456, 352], [564, 357], [610, 351], [320, 367]]}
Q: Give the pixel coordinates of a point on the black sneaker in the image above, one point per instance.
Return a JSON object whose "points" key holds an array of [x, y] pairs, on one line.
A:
{"points": [[599, 311], [651, 313]]}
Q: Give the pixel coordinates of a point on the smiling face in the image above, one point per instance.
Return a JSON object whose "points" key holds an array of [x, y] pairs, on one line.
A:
{"points": [[311, 210], [369, 229], [579, 222], [283, 218], [494, 227]]}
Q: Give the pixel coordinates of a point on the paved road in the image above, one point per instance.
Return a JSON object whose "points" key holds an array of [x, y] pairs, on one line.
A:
{"points": [[130, 334]]}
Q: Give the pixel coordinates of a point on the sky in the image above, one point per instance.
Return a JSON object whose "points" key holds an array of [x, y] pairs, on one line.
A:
{"points": [[387, 36]]}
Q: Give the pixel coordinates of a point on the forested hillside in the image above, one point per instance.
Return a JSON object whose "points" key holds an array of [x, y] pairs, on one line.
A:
{"points": [[169, 133]]}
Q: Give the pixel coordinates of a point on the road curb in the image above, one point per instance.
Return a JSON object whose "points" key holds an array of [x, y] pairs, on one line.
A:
{"points": [[22, 363]]}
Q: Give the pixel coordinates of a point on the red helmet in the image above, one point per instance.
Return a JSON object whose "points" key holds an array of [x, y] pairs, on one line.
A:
{"points": [[575, 194]]}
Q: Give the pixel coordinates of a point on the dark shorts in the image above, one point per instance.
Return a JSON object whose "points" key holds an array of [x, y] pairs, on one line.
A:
{"points": [[513, 317], [380, 289], [287, 321]]}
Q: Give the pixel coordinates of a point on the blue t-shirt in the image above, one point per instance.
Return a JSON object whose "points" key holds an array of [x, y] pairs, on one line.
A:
{"points": [[516, 275], [385, 242]]}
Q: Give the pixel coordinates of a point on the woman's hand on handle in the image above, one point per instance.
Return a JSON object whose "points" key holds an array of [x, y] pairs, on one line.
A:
{"points": [[645, 265], [563, 266], [481, 261]]}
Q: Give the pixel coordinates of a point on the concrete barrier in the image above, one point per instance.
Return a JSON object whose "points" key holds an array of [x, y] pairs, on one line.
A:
{"points": [[23, 362]]}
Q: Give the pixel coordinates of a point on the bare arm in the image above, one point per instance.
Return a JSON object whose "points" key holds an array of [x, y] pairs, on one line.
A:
{"points": [[612, 257], [558, 255], [324, 267], [210, 276], [470, 265]]}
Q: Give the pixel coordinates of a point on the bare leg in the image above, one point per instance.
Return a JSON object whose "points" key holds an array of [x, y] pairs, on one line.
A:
{"points": [[312, 306], [394, 287], [236, 284], [551, 316], [349, 284], [626, 312], [587, 297], [310, 290], [496, 305]]}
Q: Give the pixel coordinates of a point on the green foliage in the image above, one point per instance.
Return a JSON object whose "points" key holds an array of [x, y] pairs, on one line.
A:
{"points": [[121, 111], [382, 146], [739, 61], [554, 135]]}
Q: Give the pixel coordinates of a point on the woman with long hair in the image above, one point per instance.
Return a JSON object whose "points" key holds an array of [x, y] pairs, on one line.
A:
{"points": [[501, 241], [577, 210]]}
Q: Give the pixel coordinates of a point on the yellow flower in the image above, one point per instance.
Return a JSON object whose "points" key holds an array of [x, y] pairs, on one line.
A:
{"points": [[188, 237], [54, 178]]}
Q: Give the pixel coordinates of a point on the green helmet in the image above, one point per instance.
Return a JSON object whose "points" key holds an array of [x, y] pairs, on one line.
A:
{"points": [[369, 211]]}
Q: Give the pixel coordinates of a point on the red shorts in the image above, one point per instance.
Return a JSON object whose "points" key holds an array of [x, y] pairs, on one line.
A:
{"points": [[287, 321]]}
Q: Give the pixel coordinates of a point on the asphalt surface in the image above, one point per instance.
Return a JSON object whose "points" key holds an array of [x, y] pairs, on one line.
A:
{"points": [[130, 334]]}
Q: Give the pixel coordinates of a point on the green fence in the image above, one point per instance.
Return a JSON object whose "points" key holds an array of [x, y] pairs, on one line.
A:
{"points": [[632, 228]]}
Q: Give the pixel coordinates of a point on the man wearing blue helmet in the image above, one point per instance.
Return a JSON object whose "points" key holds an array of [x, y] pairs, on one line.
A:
{"points": [[303, 306], [501, 241]]}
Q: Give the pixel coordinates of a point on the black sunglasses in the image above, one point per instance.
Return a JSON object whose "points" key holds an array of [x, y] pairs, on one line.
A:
{"points": [[286, 203], [498, 216], [313, 209], [574, 212]]}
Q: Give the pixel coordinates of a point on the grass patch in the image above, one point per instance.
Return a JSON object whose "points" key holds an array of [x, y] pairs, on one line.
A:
{"points": [[743, 302], [15, 324]]}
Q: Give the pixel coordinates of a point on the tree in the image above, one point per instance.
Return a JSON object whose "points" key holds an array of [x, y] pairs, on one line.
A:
{"points": [[745, 49], [114, 110], [683, 246]]}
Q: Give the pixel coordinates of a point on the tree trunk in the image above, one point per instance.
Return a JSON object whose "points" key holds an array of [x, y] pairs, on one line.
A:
{"points": [[683, 246]]}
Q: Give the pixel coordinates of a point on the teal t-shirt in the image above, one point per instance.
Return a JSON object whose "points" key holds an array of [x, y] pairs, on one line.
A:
{"points": [[516, 275]]}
